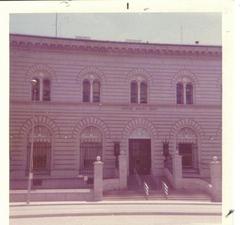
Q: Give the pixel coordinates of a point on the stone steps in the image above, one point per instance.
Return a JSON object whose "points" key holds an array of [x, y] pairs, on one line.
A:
{"points": [[156, 195], [159, 197]]}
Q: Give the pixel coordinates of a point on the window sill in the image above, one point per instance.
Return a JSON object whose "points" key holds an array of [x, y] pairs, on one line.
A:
{"points": [[91, 102], [138, 103], [185, 105], [40, 174]]}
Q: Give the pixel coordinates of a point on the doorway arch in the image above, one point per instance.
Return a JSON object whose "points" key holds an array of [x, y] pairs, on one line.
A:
{"points": [[141, 128], [139, 148]]}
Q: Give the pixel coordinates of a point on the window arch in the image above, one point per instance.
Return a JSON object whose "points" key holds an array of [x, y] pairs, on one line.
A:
{"points": [[39, 147], [90, 147], [91, 90], [40, 89], [138, 91]]}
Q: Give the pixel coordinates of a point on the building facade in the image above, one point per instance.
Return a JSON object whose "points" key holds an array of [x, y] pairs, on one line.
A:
{"points": [[72, 100]]}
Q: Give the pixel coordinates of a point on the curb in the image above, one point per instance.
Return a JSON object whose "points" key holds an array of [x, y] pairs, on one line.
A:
{"points": [[114, 214], [168, 202]]}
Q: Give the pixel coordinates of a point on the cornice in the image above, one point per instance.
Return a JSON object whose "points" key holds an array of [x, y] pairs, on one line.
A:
{"points": [[122, 106], [111, 47]]}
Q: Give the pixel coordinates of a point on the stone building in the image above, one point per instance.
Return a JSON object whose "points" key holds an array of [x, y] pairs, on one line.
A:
{"points": [[76, 99]]}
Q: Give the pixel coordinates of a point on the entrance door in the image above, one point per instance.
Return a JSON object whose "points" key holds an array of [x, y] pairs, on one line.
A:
{"points": [[140, 156], [186, 151]]}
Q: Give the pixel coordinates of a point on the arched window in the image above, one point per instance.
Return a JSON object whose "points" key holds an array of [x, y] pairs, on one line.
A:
{"points": [[180, 93], [134, 92], [138, 91], [90, 147], [143, 92], [35, 89], [40, 143], [184, 92], [86, 91], [187, 143], [46, 89], [91, 90], [41, 89], [96, 91], [189, 93]]}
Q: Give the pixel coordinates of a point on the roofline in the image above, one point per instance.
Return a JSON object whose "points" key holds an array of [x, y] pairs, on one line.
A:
{"points": [[117, 42]]}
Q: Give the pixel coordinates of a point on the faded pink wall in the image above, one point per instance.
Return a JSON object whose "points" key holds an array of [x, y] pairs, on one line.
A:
{"points": [[160, 64]]}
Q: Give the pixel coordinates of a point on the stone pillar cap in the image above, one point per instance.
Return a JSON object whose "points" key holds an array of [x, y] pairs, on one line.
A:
{"points": [[215, 159]]}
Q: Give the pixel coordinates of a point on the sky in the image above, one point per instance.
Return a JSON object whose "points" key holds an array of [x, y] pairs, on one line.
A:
{"points": [[172, 28]]}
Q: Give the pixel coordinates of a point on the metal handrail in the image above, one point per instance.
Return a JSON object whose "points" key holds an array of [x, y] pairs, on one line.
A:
{"points": [[146, 189], [165, 189], [142, 183]]}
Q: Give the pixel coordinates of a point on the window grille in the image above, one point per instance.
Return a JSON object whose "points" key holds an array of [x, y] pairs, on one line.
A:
{"points": [[90, 150], [41, 154], [187, 143], [90, 147]]}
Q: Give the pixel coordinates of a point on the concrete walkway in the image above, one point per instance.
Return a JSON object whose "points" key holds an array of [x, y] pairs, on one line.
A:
{"points": [[104, 208], [87, 195]]}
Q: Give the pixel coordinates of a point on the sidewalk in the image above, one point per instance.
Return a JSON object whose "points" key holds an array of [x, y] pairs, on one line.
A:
{"points": [[117, 202], [104, 208]]}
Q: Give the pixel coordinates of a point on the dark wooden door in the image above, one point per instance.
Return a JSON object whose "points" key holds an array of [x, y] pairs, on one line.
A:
{"points": [[140, 156], [186, 151]]}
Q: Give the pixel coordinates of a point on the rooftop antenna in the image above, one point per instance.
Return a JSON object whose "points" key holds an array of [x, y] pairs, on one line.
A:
{"points": [[56, 25]]}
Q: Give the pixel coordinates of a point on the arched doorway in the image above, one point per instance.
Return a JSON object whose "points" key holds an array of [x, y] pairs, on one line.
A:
{"points": [[187, 144], [139, 152]]}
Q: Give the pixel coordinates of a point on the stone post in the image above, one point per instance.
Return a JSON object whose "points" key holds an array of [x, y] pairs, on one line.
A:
{"points": [[177, 170], [122, 170], [98, 179], [216, 179]]}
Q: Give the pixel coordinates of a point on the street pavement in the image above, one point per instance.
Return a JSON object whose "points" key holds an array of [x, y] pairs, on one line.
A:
{"points": [[116, 213], [121, 220]]}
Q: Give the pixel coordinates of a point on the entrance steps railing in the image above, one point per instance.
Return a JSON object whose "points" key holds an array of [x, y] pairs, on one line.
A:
{"points": [[141, 183]]}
